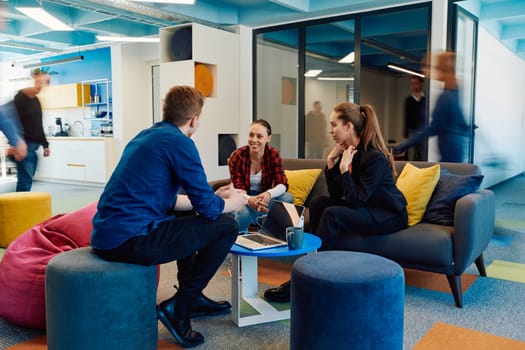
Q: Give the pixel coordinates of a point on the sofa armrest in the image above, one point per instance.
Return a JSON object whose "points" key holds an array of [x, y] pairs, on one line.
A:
{"points": [[215, 184], [474, 220]]}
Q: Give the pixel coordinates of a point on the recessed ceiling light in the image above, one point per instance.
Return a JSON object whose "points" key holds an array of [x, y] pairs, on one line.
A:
{"points": [[312, 73], [335, 78], [129, 39], [348, 58], [405, 70], [42, 16], [182, 2]]}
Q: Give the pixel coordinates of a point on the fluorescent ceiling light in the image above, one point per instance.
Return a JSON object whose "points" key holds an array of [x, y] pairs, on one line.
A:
{"points": [[335, 78], [405, 70], [40, 15], [128, 39], [312, 73], [53, 62], [183, 2], [348, 58]]}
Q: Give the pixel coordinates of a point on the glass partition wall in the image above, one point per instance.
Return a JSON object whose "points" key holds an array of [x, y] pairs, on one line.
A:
{"points": [[302, 70], [329, 79], [277, 87]]}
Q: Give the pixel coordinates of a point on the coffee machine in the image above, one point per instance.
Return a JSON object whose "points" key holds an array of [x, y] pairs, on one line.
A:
{"points": [[59, 129]]}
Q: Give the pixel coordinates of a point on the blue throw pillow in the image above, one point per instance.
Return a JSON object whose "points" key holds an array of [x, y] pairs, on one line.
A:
{"points": [[450, 187]]}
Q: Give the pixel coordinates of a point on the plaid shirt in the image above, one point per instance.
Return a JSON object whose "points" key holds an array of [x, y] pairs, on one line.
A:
{"points": [[271, 167]]}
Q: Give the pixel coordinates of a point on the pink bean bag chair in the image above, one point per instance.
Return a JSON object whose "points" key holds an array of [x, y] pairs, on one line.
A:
{"points": [[23, 267]]}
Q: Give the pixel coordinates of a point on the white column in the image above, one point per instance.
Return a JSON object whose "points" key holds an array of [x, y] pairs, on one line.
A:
{"points": [[246, 83], [438, 43]]}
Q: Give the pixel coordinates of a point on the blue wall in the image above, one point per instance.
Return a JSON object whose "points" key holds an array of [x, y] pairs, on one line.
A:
{"points": [[95, 65]]}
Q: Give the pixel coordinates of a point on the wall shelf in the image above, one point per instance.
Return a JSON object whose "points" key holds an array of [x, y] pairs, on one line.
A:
{"points": [[100, 102]]}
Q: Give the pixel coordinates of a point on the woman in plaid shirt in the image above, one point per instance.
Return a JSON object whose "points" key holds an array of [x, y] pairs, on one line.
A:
{"points": [[257, 168]]}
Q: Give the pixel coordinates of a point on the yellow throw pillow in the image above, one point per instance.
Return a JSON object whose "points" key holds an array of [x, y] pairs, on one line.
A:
{"points": [[301, 182], [417, 186]]}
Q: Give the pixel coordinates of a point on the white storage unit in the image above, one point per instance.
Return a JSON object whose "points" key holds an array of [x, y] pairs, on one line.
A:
{"points": [[218, 51], [77, 159]]}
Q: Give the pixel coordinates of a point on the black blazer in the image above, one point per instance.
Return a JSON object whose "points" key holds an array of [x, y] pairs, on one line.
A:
{"points": [[371, 185]]}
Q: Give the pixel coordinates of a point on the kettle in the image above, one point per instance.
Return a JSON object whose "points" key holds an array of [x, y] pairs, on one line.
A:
{"points": [[77, 129]]}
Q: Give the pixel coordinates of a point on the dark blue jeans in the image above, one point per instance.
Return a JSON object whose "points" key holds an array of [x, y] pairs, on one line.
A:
{"points": [[199, 245], [25, 169]]}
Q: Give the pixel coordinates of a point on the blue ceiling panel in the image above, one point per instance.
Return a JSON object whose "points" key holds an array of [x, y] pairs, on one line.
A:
{"points": [[404, 31]]}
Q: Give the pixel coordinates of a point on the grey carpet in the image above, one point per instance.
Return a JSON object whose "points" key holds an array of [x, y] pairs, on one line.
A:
{"points": [[490, 305]]}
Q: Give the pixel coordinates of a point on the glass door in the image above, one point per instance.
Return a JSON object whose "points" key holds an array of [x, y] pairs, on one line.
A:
{"points": [[465, 42], [277, 87], [329, 80]]}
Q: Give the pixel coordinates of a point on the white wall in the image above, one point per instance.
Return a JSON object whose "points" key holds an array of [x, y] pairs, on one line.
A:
{"points": [[219, 50], [499, 111], [132, 90]]}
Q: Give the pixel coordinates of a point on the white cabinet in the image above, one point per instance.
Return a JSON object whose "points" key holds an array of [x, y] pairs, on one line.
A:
{"points": [[208, 59], [64, 96], [76, 159]]}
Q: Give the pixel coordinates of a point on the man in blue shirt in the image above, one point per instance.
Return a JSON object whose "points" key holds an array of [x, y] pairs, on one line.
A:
{"points": [[136, 223]]}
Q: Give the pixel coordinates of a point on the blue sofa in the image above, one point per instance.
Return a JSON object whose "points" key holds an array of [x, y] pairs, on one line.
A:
{"points": [[449, 250]]}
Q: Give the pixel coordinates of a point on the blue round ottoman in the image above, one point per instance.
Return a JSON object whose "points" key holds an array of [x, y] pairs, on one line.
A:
{"points": [[92, 303], [346, 300]]}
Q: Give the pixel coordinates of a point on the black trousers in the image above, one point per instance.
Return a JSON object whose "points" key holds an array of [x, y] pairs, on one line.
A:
{"points": [[199, 245], [330, 219]]}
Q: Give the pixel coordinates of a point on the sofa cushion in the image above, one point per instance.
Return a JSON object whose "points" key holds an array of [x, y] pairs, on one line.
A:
{"points": [[301, 182], [450, 187], [22, 269], [417, 185], [433, 246]]}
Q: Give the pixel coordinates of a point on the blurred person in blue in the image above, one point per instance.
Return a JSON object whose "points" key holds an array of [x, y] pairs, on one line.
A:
{"points": [[448, 122], [9, 125]]}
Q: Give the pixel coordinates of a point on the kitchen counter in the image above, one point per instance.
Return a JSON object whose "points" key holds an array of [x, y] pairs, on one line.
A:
{"points": [[78, 138], [85, 158]]}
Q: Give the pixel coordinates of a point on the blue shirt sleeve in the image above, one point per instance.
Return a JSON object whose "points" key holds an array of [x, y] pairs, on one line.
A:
{"points": [[9, 123], [190, 172]]}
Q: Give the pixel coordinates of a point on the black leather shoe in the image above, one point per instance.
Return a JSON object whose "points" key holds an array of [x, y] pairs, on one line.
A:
{"points": [[180, 329], [279, 294], [207, 307]]}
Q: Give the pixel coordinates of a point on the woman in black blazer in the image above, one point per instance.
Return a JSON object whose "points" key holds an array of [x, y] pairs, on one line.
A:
{"points": [[359, 173]]}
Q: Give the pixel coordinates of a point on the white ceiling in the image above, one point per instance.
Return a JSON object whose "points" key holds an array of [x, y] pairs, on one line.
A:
{"points": [[22, 36]]}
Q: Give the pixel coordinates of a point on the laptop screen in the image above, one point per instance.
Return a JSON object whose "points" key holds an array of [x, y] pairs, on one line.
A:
{"points": [[281, 216]]}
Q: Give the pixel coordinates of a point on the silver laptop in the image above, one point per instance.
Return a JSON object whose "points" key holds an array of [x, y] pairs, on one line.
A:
{"points": [[273, 230]]}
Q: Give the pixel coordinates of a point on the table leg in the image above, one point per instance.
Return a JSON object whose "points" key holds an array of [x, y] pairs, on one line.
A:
{"points": [[247, 284]]}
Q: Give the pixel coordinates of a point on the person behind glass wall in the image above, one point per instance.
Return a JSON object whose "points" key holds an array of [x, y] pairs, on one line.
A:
{"points": [[257, 168], [30, 115], [448, 122], [139, 219], [359, 175], [315, 131], [415, 116]]}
